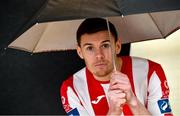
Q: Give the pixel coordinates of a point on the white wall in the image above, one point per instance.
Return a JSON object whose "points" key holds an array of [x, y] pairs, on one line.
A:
{"points": [[167, 53]]}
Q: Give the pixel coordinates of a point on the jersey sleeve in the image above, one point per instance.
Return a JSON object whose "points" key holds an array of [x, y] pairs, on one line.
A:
{"points": [[70, 100], [158, 91]]}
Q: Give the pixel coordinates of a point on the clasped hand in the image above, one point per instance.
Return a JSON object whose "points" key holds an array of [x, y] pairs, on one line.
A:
{"points": [[119, 93]]}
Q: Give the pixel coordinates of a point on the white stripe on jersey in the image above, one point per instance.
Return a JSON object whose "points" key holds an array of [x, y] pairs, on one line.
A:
{"points": [[79, 82], [155, 93], [73, 101], [140, 72], [105, 88]]}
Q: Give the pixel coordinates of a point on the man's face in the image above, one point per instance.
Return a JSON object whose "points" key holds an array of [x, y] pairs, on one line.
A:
{"points": [[95, 49]]}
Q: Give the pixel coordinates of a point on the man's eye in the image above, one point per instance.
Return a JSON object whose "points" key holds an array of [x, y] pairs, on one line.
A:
{"points": [[89, 48], [105, 45]]}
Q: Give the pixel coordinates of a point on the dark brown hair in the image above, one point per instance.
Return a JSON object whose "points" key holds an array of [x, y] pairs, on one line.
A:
{"points": [[93, 25]]}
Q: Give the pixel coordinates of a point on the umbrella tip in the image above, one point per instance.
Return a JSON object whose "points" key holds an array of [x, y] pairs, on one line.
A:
{"points": [[122, 16]]}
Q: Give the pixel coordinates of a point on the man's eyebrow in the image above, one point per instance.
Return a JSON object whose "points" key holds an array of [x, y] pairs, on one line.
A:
{"points": [[105, 41], [86, 44]]}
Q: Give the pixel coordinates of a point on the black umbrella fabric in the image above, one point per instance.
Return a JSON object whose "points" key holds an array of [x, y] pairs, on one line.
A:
{"points": [[78, 9]]}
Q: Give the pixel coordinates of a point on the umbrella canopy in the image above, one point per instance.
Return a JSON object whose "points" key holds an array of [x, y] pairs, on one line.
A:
{"points": [[61, 35], [58, 10], [78, 9]]}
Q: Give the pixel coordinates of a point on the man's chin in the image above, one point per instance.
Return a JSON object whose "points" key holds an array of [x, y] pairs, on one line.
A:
{"points": [[102, 73]]}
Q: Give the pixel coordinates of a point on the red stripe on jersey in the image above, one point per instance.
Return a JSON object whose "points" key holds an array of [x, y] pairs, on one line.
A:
{"points": [[96, 90], [127, 69], [168, 114], [154, 67]]}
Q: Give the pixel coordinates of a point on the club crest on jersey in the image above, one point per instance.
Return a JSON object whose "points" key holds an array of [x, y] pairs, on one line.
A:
{"points": [[164, 106], [73, 112]]}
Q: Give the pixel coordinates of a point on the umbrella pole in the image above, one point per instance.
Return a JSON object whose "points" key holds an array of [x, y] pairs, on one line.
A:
{"points": [[112, 51]]}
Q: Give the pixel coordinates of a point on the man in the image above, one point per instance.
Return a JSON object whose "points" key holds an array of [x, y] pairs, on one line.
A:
{"points": [[137, 86]]}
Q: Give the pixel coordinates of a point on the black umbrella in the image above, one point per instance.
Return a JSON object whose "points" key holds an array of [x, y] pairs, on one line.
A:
{"points": [[28, 13]]}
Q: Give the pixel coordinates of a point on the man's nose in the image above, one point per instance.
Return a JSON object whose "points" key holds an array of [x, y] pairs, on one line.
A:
{"points": [[99, 54]]}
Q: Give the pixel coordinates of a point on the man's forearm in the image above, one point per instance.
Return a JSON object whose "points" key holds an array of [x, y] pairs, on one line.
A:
{"points": [[138, 108]]}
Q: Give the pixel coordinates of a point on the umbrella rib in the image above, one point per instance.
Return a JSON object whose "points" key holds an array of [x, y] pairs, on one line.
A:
{"points": [[38, 39], [112, 52], [156, 24]]}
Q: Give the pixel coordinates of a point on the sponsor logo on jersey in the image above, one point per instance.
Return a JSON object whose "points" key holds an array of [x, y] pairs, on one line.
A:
{"points": [[73, 112], [63, 100], [98, 99], [164, 106], [166, 84]]}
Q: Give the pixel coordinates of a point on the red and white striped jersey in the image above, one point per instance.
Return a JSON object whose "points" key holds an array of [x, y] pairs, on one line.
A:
{"points": [[82, 95]]}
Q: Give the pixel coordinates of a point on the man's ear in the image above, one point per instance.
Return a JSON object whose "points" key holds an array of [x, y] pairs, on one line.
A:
{"points": [[118, 46], [79, 52]]}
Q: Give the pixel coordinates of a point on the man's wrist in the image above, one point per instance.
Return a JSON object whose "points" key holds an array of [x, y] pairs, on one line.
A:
{"points": [[133, 102], [115, 111]]}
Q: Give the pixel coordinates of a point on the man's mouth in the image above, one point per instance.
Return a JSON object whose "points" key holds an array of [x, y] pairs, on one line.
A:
{"points": [[100, 65]]}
